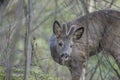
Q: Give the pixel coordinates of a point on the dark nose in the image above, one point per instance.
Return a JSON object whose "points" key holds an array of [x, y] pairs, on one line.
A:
{"points": [[65, 55]]}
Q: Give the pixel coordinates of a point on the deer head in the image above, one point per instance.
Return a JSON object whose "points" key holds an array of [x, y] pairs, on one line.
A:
{"points": [[64, 37]]}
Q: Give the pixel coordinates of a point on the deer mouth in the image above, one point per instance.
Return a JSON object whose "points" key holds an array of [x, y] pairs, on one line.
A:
{"points": [[64, 60]]}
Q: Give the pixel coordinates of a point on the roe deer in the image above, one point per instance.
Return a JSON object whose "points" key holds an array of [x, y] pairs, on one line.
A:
{"points": [[68, 42]]}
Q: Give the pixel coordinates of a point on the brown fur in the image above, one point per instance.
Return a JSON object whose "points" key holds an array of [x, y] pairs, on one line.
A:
{"points": [[103, 35]]}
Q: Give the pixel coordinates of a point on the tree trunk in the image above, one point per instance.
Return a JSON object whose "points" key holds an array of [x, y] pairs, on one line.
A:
{"points": [[28, 39]]}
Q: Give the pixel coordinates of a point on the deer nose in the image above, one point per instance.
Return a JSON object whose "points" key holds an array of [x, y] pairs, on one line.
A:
{"points": [[65, 55]]}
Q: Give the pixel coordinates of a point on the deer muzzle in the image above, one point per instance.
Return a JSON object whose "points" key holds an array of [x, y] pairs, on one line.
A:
{"points": [[64, 57]]}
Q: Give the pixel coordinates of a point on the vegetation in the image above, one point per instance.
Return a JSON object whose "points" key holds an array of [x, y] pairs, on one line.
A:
{"points": [[25, 29]]}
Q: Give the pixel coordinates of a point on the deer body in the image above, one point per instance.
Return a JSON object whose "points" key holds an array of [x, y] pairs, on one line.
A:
{"points": [[68, 42]]}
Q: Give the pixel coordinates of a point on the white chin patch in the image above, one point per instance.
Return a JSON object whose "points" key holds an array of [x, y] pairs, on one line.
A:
{"points": [[64, 59]]}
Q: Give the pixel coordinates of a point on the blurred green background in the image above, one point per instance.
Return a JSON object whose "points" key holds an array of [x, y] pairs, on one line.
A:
{"points": [[13, 24]]}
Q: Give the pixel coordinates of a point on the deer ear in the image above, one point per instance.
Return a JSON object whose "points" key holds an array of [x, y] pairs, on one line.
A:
{"points": [[78, 33], [56, 28], [72, 30]]}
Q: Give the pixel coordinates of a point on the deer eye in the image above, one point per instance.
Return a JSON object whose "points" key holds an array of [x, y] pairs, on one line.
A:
{"points": [[60, 43], [71, 46]]}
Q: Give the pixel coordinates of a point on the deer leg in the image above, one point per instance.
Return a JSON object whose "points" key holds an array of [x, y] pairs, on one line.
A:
{"points": [[78, 72], [83, 74], [118, 61], [82, 77], [117, 58], [75, 74]]}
